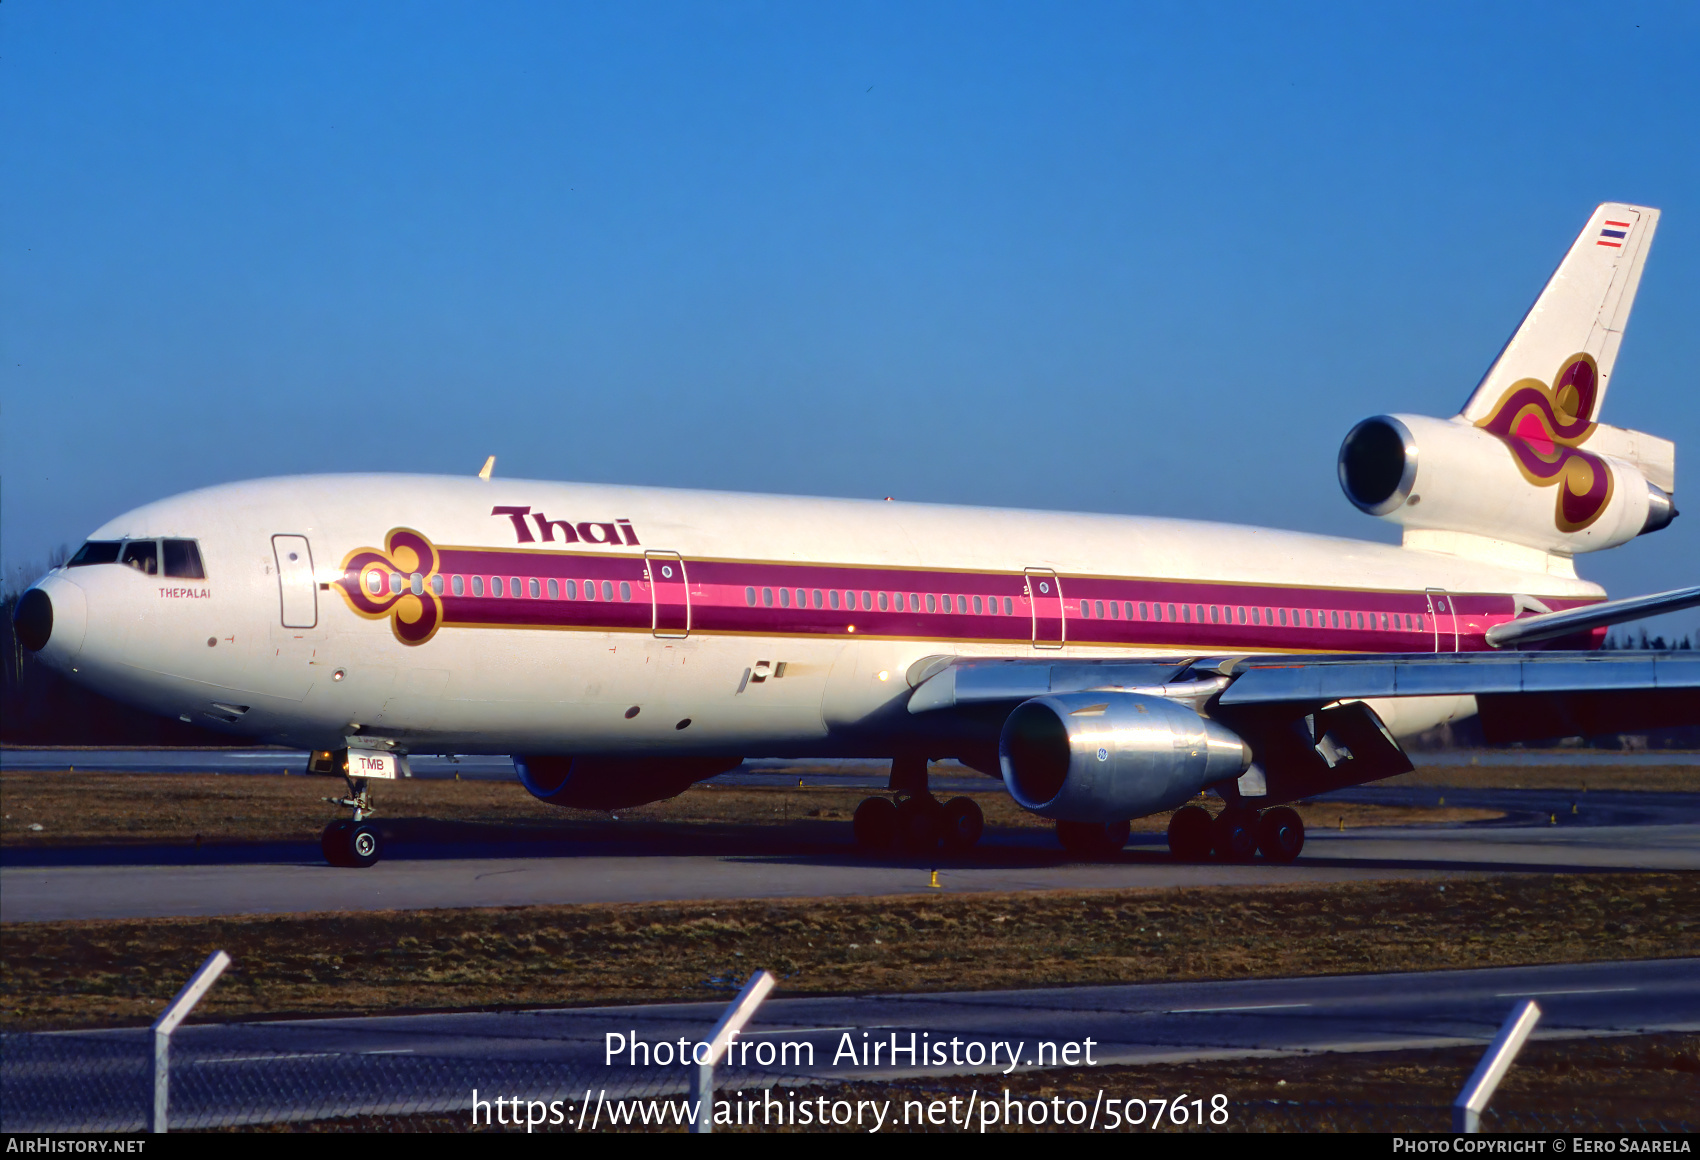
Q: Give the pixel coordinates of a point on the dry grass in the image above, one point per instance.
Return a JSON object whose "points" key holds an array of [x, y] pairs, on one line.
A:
{"points": [[87, 808], [1680, 776], [107, 973]]}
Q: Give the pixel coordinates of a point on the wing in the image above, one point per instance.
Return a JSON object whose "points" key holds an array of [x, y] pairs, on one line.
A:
{"points": [[1308, 719]]}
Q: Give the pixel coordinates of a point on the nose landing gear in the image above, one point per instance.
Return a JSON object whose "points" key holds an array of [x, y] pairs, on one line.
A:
{"points": [[352, 844]]}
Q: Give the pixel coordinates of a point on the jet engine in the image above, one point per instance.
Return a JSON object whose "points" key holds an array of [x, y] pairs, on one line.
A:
{"points": [[1444, 475], [612, 783], [1108, 757]]}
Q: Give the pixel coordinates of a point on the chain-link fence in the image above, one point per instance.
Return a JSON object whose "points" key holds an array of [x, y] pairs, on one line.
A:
{"points": [[238, 1075]]}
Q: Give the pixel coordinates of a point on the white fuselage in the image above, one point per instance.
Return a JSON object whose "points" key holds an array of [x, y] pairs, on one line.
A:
{"points": [[781, 633]]}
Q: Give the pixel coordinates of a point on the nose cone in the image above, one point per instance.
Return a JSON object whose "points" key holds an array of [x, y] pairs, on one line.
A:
{"points": [[51, 619]]}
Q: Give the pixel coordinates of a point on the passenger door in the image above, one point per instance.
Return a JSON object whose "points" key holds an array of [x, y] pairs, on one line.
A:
{"points": [[669, 594], [1044, 595], [1444, 617], [298, 593]]}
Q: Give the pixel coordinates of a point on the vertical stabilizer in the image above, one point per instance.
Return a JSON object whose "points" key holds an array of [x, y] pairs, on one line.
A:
{"points": [[1583, 310]]}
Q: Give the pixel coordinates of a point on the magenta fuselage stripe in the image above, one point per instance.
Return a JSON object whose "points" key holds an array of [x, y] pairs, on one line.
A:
{"points": [[1179, 614]]}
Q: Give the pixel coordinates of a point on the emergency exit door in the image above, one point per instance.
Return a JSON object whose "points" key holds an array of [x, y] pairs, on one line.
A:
{"points": [[669, 593], [297, 592], [1044, 597]]}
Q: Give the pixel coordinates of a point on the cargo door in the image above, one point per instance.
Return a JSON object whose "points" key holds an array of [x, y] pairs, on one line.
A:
{"points": [[669, 593], [297, 591], [1044, 597]]}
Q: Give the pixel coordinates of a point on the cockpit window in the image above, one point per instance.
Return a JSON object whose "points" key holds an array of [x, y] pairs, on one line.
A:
{"points": [[96, 552], [142, 555], [183, 559]]}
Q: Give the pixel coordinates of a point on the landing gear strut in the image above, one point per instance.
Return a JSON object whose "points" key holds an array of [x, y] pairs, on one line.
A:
{"points": [[353, 844], [1236, 834], [912, 820]]}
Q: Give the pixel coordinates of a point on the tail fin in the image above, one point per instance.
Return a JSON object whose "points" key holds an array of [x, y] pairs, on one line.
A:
{"points": [[1583, 310]]}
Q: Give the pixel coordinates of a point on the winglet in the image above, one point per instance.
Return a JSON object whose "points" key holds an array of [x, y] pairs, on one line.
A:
{"points": [[489, 466]]}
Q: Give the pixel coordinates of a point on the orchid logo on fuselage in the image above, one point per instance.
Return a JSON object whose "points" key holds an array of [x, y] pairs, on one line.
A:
{"points": [[585, 532]]}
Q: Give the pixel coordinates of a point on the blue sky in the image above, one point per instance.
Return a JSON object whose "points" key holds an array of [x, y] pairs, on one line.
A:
{"points": [[1148, 259]]}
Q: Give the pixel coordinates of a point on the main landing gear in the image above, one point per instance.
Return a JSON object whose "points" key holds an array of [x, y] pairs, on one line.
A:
{"points": [[1236, 835], [353, 844], [916, 822]]}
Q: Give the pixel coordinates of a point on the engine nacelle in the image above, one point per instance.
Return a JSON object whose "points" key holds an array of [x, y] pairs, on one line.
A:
{"points": [[612, 783], [1535, 490], [1108, 757]]}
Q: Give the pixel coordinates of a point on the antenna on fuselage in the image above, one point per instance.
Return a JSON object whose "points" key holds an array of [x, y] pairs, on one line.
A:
{"points": [[489, 466]]}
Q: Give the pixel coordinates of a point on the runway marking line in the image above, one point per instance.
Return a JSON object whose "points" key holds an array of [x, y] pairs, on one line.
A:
{"points": [[1256, 1007], [1576, 991]]}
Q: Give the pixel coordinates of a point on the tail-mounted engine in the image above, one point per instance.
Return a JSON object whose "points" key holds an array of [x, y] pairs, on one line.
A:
{"points": [[1529, 472], [613, 783], [1107, 757]]}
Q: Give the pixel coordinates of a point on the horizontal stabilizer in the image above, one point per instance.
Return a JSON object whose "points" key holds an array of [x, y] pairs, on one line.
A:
{"points": [[1552, 624]]}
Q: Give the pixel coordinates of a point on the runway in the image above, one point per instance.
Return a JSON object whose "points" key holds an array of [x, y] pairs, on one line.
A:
{"points": [[255, 1072], [72, 883]]}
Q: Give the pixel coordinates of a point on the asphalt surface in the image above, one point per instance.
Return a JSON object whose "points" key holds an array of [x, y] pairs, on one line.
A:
{"points": [[253, 1072], [428, 865]]}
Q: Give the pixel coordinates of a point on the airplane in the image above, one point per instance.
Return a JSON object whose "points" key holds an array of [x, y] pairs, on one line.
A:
{"points": [[624, 643]]}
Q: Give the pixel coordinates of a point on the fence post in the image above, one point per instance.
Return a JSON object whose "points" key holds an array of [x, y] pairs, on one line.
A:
{"points": [[1467, 1108], [743, 1008], [167, 1023]]}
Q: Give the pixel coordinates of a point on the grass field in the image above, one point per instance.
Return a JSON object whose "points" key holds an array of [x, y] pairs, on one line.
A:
{"points": [[107, 973]]}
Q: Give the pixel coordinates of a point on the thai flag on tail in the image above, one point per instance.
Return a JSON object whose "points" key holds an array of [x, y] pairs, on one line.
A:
{"points": [[1612, 234]]}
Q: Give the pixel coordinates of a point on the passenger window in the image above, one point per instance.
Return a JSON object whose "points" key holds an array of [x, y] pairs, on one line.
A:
{"points": [[832, 598], [96, 552], [1098, 609], [437, 585], [883, 603], [183, 560], [554, 589], [1186, 613], [497, 588], [1310, 618], [767, 597], [534, 588], [802, 598], [1360, 620], [1215, 615], [819, 600], [914, 602], [572, 589], [1254, 617], [867, 601], [785, 598], [1171, 612], [416, 584], [1268, 616], [590, 590], [1336, 619], [750, 597], [1115, 610], [457, 585], [478, 585], [1085, 608], [1145, 611], [1008, 606], [1420, 623], [607, 590], [625, 590], [979, 605], [142, 555], [515, 588], [932, 604], [375, 582], [395, 583]]}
